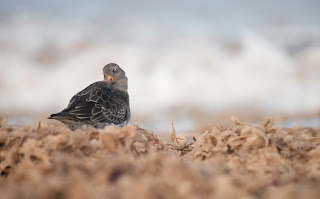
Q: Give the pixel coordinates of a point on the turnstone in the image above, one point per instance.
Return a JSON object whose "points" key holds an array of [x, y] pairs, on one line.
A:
{"points": [[101, 104]]}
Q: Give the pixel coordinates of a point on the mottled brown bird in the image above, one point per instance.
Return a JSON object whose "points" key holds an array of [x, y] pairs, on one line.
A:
{"points": [[101, 104]]}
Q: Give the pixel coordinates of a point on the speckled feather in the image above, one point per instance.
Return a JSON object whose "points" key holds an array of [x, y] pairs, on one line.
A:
{"points": [[98, 106]]}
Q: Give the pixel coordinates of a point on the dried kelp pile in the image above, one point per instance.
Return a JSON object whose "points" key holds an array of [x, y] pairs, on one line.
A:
{"points": [[241, 161]]}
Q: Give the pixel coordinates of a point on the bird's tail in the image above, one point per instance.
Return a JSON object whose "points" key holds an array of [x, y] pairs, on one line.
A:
{"points": [[52, 116], [59, 116]]}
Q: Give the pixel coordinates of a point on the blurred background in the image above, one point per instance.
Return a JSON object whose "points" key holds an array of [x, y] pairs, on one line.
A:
{"points": [[194, 63]]}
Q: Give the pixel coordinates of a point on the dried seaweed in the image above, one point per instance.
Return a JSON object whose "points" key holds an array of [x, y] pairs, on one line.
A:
{"points": [[242, 161]]}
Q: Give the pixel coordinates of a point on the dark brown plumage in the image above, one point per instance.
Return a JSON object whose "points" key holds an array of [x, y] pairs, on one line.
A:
{"points": [[101, 104]]}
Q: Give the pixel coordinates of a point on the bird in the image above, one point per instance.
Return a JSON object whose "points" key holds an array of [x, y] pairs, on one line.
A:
{"points": [[103, 103]]}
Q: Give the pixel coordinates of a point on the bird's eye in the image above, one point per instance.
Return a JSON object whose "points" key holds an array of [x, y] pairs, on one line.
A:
{"points": [[115, 69]]}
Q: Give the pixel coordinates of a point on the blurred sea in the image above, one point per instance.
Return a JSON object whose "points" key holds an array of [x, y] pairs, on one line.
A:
{"points": [[179, 56]]}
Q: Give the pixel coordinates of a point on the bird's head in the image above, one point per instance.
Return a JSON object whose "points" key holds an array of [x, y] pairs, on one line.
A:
{"points": [[115, 77]]}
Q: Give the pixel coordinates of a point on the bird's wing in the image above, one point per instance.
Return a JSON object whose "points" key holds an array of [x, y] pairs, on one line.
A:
{"points": [[77, 98], [98, 104]]}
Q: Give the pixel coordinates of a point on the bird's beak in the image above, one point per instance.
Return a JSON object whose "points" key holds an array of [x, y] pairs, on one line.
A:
{"points": [[110, 79]]}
